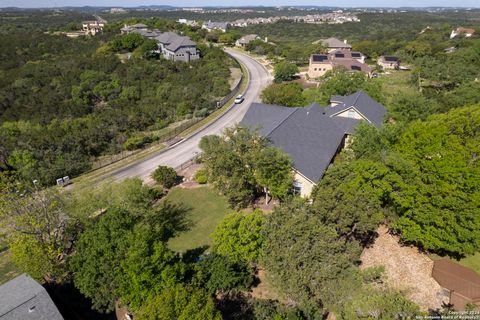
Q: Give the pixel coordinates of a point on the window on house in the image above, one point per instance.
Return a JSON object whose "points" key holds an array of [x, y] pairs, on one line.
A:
{"points": [[351, 113], [297, 187]]}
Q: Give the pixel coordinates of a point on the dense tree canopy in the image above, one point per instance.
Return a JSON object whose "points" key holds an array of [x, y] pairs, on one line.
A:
{"points": [[38, 229], [283, 94], [239, 236], [65, 103], [217, 273], [240, 164], [166, 176], [354, 197], [285, 71], [301, 253], [180, 302], [107, 263], [441, 212]]}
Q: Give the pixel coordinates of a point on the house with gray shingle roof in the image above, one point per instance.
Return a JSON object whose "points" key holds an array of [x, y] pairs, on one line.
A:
{"points": [[170, 45], [212, 25], [132, 28], [333, 44], [177, 48], [312, 136], [23, 298], [243, 41]]}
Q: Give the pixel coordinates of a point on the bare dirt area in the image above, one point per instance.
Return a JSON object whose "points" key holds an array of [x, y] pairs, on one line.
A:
{"points": [[264, 290], [406, 269], [188, 175], [304, 82]]}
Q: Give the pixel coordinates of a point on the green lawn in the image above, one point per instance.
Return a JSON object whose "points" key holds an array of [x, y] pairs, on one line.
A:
{"points": [[207, 209], [472, 262], [7, 269]]}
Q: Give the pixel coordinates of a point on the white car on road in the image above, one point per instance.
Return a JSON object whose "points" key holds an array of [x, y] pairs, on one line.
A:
{"points": [[239, 99]]}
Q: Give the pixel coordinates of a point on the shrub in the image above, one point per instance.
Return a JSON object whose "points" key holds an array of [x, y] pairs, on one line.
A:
{"points": [[136, 142], [166, 176], [201, 176]]}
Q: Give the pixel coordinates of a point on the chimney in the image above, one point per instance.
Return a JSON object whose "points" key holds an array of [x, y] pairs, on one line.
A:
{"points": [[266, 39], [345, 41]]}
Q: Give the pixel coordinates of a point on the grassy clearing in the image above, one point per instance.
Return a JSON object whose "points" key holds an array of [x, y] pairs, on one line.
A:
{"points": [[8, 270], [395, 82], [207, 209], [472, 262]]}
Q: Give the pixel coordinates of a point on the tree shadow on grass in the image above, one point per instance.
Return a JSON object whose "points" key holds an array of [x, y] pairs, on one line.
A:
{"points": [[172, 218], [193, 255]]}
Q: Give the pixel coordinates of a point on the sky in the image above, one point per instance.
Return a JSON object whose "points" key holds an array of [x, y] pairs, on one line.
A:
{"points": [[189, 3]]}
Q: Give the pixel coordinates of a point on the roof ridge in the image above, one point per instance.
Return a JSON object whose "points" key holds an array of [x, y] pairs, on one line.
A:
{"points": [[358, 93], [281, 122]]}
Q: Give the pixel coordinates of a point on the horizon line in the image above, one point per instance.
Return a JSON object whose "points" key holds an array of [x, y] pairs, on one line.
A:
{"points": [[240, 7]]}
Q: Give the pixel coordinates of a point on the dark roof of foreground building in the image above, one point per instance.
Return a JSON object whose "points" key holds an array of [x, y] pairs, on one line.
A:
{"points": [[24, 298], [458, 278], [312, 135], [370, 109]]}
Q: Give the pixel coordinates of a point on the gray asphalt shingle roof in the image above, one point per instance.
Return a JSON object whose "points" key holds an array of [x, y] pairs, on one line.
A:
{"points": [[312, 135], [373, 111], [24, 298], [335, 43], [173, 41]]}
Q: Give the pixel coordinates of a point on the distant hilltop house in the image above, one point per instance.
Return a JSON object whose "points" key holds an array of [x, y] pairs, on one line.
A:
{"points": [[211, 26], [460, 31], [333, 44], [312, 136], [133, 28], [463, 284], [389, 62], [243, 41], [428, 28], [352, 61], [117, 10], [24, 298], [92, 27], [191, 23], [170, 45]]}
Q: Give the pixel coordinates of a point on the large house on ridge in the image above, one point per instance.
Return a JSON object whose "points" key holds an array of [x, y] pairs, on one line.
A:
{"points": [[171, 45], [177, 48], [312, 136], [352, 61]]}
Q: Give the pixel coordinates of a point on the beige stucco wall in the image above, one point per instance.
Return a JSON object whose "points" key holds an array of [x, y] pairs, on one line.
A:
{"points": [[307, 185], [345, 114], [316, 70], [386, 65]]}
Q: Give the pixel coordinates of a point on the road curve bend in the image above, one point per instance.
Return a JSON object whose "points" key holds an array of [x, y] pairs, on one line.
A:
{"points": [[185, 150]]}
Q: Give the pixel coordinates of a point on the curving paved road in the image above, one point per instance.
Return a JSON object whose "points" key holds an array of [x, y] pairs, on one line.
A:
{"points": [[188, 148]]}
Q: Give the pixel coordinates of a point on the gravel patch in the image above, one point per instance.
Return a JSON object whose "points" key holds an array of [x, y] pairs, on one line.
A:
{"points": [[406, 269]]}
